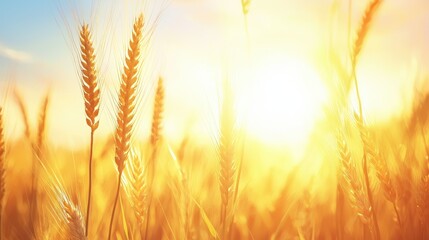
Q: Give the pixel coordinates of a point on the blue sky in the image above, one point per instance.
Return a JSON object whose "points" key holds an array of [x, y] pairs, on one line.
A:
{"points": [[194, 35]]}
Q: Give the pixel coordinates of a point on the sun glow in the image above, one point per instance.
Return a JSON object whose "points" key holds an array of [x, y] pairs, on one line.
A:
{"points": [[286, 102]]}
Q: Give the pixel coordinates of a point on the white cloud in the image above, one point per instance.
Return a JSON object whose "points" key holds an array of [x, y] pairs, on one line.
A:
{"points": [[14, 55]]}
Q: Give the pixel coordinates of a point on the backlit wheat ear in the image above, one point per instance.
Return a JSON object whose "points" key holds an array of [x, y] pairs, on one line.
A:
{"points": [[89, 79], [363, 28], [376, 160], [353, 186], [74, 221], [157, 114], [91, 92], [2, 168], [126, 105], [226, 150], [136, 189], [127, 96]]}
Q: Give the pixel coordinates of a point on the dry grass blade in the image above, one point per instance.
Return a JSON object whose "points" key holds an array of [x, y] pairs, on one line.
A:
{"points": [[89, 80], [126, 108], [2, 168]]}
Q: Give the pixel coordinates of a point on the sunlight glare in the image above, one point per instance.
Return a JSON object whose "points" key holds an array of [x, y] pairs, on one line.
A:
{"points": [[286, 102]]}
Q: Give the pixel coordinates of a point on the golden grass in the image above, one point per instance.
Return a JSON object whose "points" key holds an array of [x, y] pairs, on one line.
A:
{"points": [[192, 193]]}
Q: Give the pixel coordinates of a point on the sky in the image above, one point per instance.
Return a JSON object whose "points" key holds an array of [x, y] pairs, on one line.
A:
{"points": [[198, 42]]}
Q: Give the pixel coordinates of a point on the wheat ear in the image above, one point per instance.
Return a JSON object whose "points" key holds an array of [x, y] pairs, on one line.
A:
{"points": [[91, 92], [363, 28], [353, 185], [156, 133], [126, 107], [137, 190], [2, 169], [74, 220], [379, 164]]}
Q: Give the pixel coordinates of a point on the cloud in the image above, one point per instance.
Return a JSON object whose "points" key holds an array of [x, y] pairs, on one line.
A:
{"points": [[15, 55]]}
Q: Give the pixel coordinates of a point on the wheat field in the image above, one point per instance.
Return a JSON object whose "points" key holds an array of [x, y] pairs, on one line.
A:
{"points": [[302, 157]]}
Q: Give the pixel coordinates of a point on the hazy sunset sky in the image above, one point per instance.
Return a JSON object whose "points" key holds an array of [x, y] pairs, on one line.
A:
{"points": [[196, 40]]}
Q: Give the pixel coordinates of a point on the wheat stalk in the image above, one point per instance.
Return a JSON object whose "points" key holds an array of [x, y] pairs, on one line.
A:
{"points": [[226, 151], [126, 107], [91, 93], [2, 169], [156, 130]]}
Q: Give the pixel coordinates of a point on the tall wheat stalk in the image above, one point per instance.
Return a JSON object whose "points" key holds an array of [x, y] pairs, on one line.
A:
{"points": [[126, 106], [91, 93], [2, 169], [357, 47], [155, 136], [227, 158]]}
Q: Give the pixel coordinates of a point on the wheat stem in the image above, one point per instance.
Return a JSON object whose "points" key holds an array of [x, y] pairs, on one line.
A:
{"points": [[2, 169], [114, 205]]}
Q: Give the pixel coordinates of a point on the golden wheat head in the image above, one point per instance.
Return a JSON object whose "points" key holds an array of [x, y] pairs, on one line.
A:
{"points": [[157, 113], [127, 96], [89, 80]]}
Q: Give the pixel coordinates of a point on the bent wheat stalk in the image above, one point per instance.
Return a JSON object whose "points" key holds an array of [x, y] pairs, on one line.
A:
{"points": [[91, 93], [227, 158], [126, 107], [357, 47]]}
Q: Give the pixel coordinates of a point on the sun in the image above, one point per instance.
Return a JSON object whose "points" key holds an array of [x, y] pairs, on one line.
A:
{"points": [[285, 102]]}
